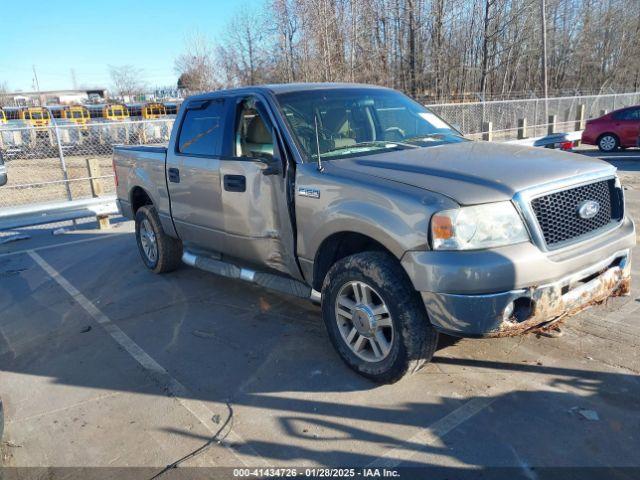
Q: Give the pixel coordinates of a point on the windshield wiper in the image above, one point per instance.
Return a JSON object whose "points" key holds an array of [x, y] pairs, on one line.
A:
{"points": [[417, 138], [372, 144]]}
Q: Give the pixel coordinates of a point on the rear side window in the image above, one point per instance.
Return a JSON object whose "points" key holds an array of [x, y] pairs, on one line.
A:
{"points": [[629, 114], [201, 131]]}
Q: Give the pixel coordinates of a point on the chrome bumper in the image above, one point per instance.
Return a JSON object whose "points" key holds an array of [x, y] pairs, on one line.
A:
{"points": [[483, 315]]}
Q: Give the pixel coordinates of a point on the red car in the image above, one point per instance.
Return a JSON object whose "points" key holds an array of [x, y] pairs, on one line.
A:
{"points": [[618, 129]]}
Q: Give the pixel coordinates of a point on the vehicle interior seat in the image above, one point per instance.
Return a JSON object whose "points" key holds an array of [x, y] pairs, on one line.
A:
{"points": [[335, 121], [257, 140]]}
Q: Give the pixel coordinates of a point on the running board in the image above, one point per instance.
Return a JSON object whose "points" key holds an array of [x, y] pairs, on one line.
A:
{"points": [[266, 280]]}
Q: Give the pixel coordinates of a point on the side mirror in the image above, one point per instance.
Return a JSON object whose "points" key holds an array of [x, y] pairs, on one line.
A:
{"points": [[272, 161], [273, 165]]}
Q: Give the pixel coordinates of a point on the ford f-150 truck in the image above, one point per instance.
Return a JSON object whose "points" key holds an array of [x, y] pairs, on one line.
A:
{"points": [[363, 200]]}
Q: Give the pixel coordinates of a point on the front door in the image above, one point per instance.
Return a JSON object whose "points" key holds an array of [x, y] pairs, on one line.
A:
{"points": [[254, 198], [193, 174]]}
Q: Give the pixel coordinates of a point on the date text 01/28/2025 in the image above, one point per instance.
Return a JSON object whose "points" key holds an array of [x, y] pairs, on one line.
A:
{"points": [[315, 472]]}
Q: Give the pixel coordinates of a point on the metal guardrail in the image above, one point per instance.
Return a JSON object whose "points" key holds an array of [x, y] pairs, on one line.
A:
{"points": [[29, 215]]}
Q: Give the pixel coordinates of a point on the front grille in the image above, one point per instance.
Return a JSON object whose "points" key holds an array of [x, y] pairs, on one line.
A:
{"points": [[557, 213]]}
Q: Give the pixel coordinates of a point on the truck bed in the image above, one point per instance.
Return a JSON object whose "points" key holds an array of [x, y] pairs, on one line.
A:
{"points": [[143, 166]]}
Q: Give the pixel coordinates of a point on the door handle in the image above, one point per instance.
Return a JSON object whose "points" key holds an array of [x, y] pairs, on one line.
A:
{"points": [[235, 183], [174, 175]]}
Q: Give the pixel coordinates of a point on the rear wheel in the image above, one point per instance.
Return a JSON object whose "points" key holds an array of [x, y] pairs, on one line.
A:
{"points": [[608, 143], [375, 319], [160, 252]]}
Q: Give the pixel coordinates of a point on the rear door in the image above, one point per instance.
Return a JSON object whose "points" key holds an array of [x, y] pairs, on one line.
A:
{"points": [[627, 123], [254, 198], [193, 174]]}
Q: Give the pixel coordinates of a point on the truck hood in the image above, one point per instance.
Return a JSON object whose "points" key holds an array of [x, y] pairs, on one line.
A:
{"points": [[475, 172]]}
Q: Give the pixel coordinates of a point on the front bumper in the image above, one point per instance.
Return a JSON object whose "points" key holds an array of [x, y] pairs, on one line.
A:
{"points": [[540, 306], [459, 288]]}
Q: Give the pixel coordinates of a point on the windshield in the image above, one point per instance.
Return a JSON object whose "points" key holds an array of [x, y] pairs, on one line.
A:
{"points": [[359, 122], [116, 112]]}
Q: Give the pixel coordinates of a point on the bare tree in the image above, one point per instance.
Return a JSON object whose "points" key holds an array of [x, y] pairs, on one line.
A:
{"points": [[4, 90], [127, 80], [433, 49], [195, 66], [243, 55]]}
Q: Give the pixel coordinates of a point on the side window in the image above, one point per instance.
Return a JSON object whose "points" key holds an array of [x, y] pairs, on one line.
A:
{"points": [[253, 136], [629, 114], [201, 130]]}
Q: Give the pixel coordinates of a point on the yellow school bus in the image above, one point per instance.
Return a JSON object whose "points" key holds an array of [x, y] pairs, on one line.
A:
{"points": [[77, 114], [115, 112], [35, 116], [153, 110]]}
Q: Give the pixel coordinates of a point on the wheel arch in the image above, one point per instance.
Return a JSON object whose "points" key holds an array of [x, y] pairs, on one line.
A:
{"points": [[139, 197], [339, 245]]}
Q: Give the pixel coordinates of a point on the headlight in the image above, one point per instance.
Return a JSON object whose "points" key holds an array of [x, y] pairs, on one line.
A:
{"points": [[479, 226]]}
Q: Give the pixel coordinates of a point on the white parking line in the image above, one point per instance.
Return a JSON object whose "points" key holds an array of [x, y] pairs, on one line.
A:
{"points": [[432, 435], [157, 371], [63, 244]]}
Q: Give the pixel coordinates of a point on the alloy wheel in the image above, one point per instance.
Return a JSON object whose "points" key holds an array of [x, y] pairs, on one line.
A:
{"points": [[148, 241], [364, 321]]}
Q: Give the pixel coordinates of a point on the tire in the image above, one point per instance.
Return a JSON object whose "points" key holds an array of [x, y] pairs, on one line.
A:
{"points": [[608, 142], [149, 233], [408, 339]]}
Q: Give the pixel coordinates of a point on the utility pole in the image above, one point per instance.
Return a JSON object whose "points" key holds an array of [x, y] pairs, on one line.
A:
{"points": [[543, 19], [35, 79], [74, 82]]}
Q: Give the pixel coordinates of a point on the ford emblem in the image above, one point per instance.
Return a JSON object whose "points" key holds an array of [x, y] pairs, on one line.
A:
{"points": [[588, 209]]}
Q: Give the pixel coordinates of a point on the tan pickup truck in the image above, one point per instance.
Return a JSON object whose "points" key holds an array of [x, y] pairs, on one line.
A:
{"points": [[365, 201]]}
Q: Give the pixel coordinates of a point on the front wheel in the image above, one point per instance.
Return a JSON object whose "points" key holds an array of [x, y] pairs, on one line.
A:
{"points": [[608, 143], [160, 252], [375, 319]]}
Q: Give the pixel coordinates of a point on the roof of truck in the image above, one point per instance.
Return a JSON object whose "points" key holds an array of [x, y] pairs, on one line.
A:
{"points": [[297, 87], [286, 88]]}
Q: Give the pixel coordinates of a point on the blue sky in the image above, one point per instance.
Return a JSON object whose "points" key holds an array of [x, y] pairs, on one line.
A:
{"points": [[88, 36]]}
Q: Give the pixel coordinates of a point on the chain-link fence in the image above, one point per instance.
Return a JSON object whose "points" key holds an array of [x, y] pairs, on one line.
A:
{"points": [[472, 118], [72, 161], [68, 161]]}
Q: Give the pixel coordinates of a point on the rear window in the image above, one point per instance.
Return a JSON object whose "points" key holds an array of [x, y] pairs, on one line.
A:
{"points": [[201, 130]]}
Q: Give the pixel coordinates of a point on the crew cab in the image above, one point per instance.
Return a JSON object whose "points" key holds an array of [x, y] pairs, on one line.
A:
{"points": [[366, 202]]}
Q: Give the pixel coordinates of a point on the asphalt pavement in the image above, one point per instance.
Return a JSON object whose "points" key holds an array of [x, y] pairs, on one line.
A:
{"points": [[103, 363]]}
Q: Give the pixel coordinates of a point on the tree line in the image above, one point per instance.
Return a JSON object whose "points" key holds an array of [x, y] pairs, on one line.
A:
{"points": [[435, 49]]}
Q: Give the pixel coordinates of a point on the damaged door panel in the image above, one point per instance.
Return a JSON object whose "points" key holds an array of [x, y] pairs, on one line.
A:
{"points": [[254, 202]]}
